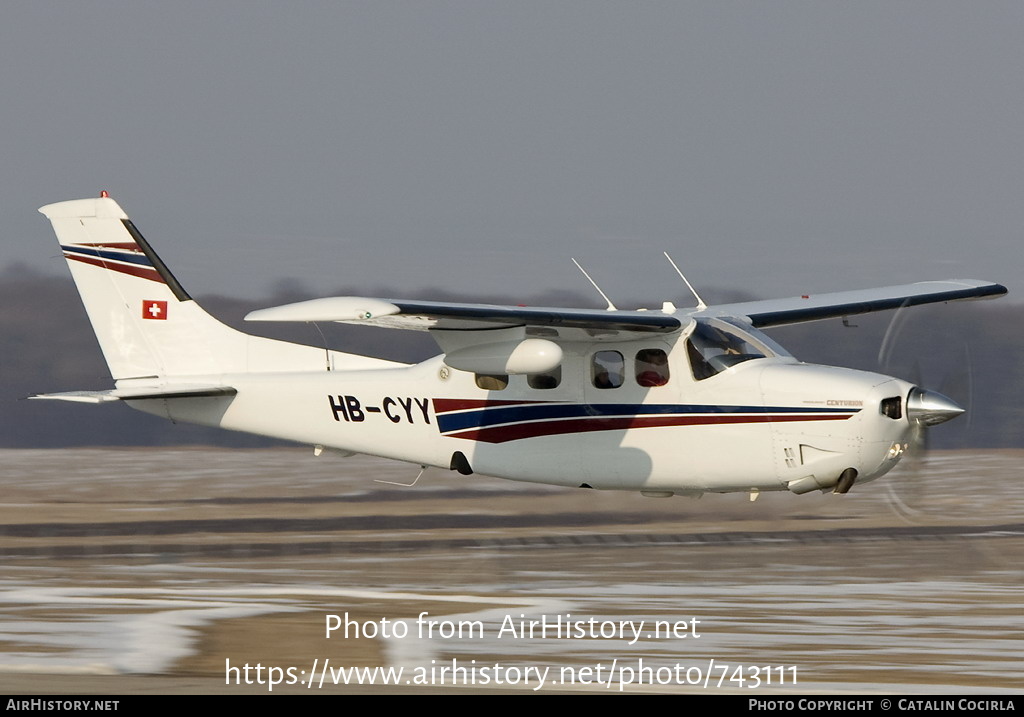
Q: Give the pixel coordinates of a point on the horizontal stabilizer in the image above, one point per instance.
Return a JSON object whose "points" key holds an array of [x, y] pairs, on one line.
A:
{"points": [[139, 394]]}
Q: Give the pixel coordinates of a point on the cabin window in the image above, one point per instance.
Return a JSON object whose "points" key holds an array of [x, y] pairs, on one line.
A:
{"points": [[712, 348], [651, 368], [551, 379], [492, 382], [607, 369]]}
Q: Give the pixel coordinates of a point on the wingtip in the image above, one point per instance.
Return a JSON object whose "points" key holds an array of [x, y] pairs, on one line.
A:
{"points": [[334, 308]]}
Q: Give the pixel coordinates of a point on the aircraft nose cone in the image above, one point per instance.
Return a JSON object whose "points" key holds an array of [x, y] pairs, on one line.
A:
{"points": [[930, 408]]}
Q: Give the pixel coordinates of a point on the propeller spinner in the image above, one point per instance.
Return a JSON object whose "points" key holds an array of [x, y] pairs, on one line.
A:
{"points": [[930, 408]]}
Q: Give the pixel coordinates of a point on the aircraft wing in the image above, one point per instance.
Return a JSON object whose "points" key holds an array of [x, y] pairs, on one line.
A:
{"points": [[426, 315], [814, 307]]}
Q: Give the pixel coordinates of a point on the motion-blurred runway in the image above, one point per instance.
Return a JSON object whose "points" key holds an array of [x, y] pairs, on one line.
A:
{"points": [[156, 570]]}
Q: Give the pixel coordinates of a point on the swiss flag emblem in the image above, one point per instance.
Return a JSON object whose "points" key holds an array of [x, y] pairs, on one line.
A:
{"points": [[154, 309]]}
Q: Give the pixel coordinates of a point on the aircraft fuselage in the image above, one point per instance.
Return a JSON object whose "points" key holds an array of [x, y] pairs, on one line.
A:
{"points": [[764, 424]]}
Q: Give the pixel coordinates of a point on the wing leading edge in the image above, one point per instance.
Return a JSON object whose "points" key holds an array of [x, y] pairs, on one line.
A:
{"points": [[427, 315], [815, 307]]}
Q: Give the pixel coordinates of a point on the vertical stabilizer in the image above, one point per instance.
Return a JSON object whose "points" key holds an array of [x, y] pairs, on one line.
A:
{"points": [[146, 324]]}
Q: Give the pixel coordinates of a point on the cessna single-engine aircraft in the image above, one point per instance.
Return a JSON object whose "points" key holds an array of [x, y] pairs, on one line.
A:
{"points": [[669, 401]]}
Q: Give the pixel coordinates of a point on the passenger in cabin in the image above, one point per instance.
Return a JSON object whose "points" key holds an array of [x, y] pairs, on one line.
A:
{"points": [[651, 368], [607, 369]]}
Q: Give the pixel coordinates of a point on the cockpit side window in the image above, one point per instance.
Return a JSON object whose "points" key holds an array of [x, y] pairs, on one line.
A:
{"points": [[714, 347], [651, 368], [607, 369]]}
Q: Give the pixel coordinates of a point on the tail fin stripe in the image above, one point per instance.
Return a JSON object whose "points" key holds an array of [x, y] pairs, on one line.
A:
{"points": [[117, 255], [125, 246], [143, 272]]}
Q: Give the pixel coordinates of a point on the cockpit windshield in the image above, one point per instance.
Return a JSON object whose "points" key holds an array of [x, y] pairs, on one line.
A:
{"points": [[715, 345]]}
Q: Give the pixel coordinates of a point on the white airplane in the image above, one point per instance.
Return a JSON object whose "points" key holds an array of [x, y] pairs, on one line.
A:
{"points": [[669, 401]]}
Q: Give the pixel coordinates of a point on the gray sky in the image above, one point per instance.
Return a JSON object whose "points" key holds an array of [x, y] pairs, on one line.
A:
{"points": [[779, 147]]}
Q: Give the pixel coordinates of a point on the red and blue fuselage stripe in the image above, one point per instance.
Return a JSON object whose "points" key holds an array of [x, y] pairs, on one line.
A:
{"points": [[508, 420]]}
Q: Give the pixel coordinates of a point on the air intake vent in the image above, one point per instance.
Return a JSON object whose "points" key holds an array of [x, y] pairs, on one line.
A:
{"points": [[892, 407]]}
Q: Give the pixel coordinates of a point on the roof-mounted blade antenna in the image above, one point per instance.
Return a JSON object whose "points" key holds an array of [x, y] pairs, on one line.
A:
{"points": [[611, 306], [700, 302]]}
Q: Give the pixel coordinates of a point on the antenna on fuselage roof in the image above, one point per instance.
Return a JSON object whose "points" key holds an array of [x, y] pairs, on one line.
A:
{"points": [[700, 302], [611, 306]]}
